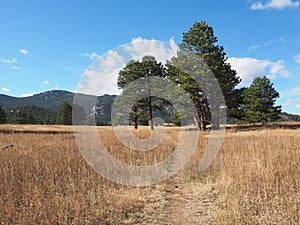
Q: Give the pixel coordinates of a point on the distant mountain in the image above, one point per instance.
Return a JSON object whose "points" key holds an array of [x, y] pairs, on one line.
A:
{"points": [[51, 100]]}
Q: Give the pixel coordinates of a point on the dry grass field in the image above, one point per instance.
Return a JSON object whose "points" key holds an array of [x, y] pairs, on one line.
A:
{"points": [[255, 179]]}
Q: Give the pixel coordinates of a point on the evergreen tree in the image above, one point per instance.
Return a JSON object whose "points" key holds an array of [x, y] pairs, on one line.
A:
{"points": [[3, 117], [37, 115], [134, 70], [78, 114], [237, 113], [64, 114], [200, 40], [21, 117], [259, 102], [176, 119]]}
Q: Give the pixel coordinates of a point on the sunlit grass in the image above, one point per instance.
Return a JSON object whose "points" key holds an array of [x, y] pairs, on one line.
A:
{"points": [[45, 180]]}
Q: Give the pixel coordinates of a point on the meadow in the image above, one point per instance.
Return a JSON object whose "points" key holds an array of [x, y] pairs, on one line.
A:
{"points": [[44, 179]]}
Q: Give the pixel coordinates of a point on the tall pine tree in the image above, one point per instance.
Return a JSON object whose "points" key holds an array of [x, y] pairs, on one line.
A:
{"points": [[259, 102], [200, 40]]}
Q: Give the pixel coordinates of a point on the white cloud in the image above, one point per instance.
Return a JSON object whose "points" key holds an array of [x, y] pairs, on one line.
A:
{"points": [[275, 4], [289, 102], [5, 89], [27, 94], [253, 48], [162, 51], [278, 68], [92, 56], [249, 68], [111, 59], [102, 73], [47, 82], [24, 51], [101, 77], [9, 61], [297, 58], [15, 67], [281, 40]]}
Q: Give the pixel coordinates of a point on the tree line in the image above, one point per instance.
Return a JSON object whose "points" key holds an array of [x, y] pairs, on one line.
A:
{"points": [[36, 115]]}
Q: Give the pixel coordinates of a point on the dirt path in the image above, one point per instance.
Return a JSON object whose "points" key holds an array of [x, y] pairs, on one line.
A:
{"points": [[191, 203], [180, 202]]}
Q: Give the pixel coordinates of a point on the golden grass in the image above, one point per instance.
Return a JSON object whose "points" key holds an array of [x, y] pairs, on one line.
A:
{"points": [[35, 128], [257, 175], [45, 180]]}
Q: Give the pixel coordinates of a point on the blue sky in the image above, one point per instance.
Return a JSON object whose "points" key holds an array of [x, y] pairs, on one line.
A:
{"points": [[46, 45]]}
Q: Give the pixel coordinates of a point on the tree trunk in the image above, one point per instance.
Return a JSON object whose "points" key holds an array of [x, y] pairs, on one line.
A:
{"points": [[135, 118], [215, 124], [203, 125], [205, 114], [136, 122], [150, 114], [216, 120]]}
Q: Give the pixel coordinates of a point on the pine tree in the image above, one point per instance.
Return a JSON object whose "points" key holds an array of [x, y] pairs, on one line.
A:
{"points": [[3, 117], [259, 102], [22, 118], [134, 70], [200, 40], [78, 114], [64, 114]]}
